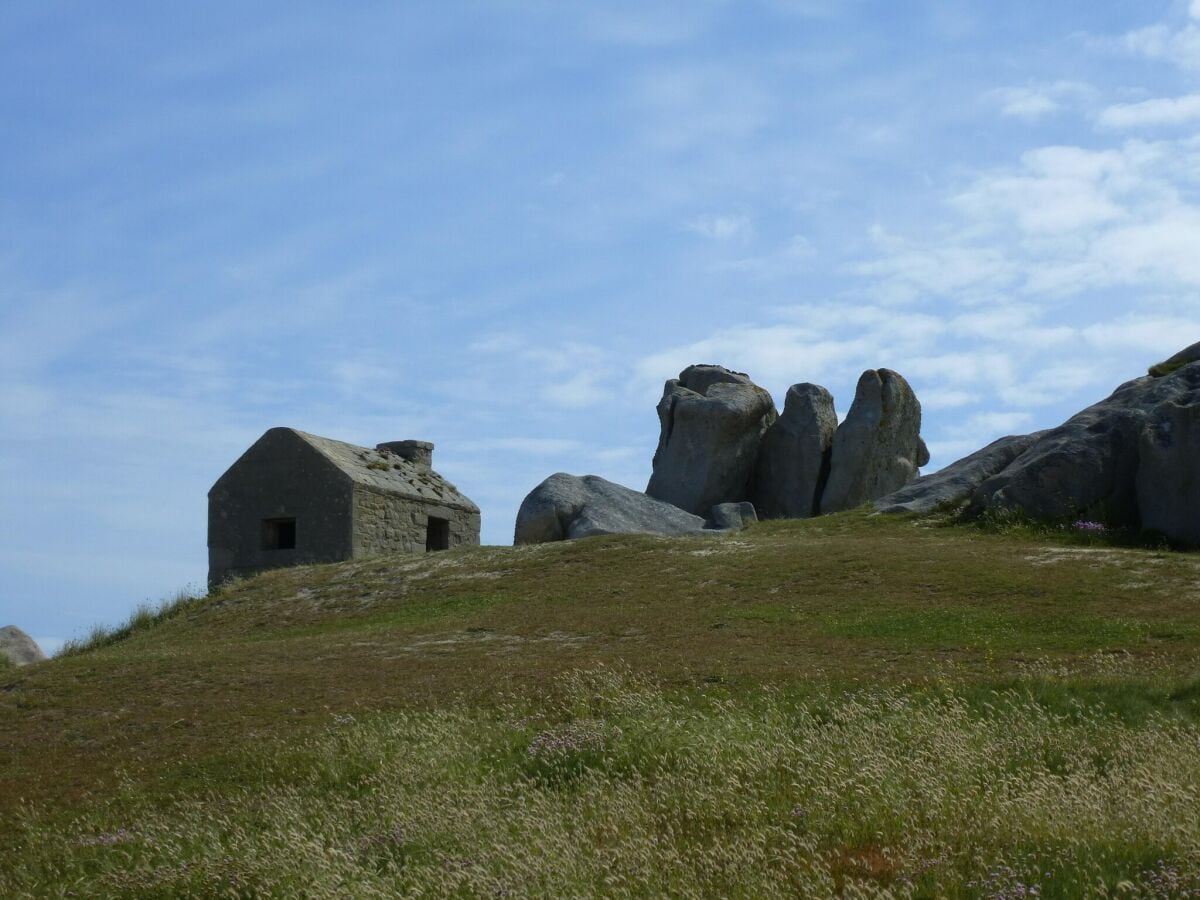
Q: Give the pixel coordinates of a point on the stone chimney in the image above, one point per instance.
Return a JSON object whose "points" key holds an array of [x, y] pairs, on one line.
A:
{"points": [[418, 452]]}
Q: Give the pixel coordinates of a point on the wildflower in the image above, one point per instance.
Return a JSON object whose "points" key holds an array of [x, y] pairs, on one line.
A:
{"points": [[1087, 527], [585, 734], [106, 839]]}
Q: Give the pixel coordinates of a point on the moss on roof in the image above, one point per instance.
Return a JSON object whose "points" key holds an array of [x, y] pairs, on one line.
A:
{"points": [[388, 472]]}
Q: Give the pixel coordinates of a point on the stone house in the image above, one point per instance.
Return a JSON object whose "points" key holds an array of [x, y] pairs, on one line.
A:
{"points": [[296, 498]]}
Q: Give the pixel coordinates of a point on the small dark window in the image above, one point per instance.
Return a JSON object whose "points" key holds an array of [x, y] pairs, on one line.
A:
{"points": [[279, 534], [437, 534]]}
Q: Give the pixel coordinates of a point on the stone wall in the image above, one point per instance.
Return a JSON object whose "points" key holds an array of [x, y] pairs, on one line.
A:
{"points": [[386, 523], [279, 477]]}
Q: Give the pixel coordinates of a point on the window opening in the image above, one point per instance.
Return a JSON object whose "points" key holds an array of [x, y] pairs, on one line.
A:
{"points": [[279, 534], [437, 534]]}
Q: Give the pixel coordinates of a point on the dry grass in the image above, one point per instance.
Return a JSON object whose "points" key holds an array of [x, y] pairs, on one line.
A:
{"points": [[808, 608], [612, 787]]}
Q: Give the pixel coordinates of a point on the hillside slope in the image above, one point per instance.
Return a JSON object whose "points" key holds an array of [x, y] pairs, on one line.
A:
{"points": [[847, 597], [843, 601]]}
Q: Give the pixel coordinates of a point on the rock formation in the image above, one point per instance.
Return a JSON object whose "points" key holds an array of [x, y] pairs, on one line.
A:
{"points": [[1168, 475], [567, 506], [1089, 465], [955, 483], [793, 459], [878, 449], [1132, 460], [723, 454], [18, 647], [711, 423]]}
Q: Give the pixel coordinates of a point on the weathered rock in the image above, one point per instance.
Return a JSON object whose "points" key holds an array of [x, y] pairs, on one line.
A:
{"points": [[1168, 475], [875, 451], [922, 453], [18, 647], [955, 483], [711, 424], [731, 516], [1089, 465], [1182, 358], [793, 460], [564, 507]]}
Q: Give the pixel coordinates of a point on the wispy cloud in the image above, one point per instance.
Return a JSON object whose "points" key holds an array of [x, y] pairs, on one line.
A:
{"points": [[722, 227], [1151, 113], [1179, 46], [1038, 101]]}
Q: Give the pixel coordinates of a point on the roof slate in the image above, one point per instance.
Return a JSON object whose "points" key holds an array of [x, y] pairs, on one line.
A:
{"points": [[388, 472]]}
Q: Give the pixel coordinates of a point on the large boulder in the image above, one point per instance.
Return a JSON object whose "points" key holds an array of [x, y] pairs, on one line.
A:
{"points": [[564, 507], [18, 647], [711, 423], [878, 449], [954, 484], [1089, 466], [793, 460], [1168, 475]]}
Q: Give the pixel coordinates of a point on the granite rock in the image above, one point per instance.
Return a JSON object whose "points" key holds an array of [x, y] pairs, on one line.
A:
{"points": [[876, 449], [793, 460], [564, 507], [1168, 475], [1091, 465], [711, 423], [954, 484], [18, 647]]}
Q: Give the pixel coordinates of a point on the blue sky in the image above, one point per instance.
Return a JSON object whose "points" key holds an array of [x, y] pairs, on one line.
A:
{"points": [[501, 226]]}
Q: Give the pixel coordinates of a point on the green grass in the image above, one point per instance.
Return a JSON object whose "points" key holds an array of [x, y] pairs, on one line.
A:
{"points": [[1158, 370], [613, 786], [1014, 522], [953, 709], [143, 617]]}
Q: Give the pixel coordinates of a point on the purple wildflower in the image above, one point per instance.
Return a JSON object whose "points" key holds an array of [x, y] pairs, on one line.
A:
{"points": [[106, 839]]}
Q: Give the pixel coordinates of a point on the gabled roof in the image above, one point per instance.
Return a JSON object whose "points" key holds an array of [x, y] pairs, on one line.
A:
{"points": [[388, 472]]}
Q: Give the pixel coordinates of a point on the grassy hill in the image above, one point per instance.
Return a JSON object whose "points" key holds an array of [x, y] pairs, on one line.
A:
{"points": [[852, 705]]}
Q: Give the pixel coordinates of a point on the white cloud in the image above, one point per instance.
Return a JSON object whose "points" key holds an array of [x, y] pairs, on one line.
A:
{"points": [[1178, 46], [1162, 111], [906, 271], [1033, 102], [578, 391], [722, 228], [1148, 334], [955, 441], [946, 398], [695, 107], [1026, 103], [566, 374], [1194, 9], [1056, 189]]}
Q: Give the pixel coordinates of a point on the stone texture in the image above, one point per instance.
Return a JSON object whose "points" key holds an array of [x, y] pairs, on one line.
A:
{"points": [[1089, 465], [565, 507], [1168, 476], [343, 501], [18, 647], [876, 449], [1182, 358], [731, 516], [711, 424], [793, 460], [954, 484]]}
